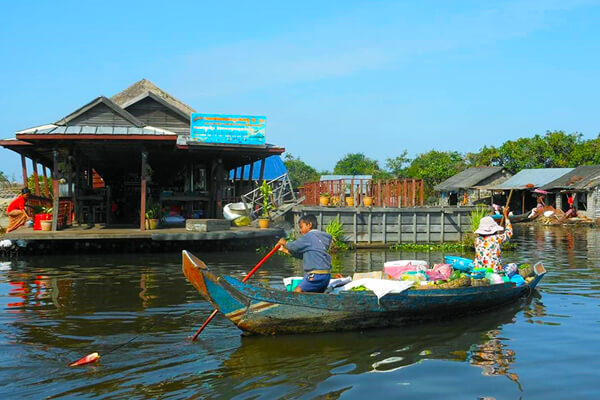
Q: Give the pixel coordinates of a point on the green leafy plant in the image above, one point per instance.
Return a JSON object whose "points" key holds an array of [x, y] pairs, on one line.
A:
{"points": [[324, 194], [152, 212], [336, 230], [477, 213], [266, 192]]}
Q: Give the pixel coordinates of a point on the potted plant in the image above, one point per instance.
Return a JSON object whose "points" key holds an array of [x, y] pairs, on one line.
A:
{"points": [[368, 201], [46, 218], [324, 199], [266, 191], [152, 214]]}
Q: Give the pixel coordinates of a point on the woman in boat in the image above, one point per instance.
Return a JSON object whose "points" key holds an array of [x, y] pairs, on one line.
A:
{"points": [[488, 243], [313, 248], [17, 214]]}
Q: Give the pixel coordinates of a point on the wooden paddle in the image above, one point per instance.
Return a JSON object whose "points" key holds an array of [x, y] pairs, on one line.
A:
{"points": [[252, 271], [507, 203]]}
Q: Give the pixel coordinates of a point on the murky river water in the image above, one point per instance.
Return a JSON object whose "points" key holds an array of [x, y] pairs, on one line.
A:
{"points": [[59, 308]]}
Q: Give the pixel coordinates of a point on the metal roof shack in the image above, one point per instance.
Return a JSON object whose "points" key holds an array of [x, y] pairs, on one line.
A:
{"points": [[470, 177], [582, 178], [529, 179]]}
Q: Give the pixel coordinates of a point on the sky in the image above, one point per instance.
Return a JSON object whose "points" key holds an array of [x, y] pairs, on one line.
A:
{"points": [[332, 77]]}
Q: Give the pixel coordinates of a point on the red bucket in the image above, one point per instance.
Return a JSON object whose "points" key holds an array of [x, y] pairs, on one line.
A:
{"points": [[37, 225]]}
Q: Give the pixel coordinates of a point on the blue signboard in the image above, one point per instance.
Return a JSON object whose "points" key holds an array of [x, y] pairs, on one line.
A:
{"points": [[228, 129]]}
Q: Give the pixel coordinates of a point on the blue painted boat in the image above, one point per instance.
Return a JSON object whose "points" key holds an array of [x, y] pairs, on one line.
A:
{"points": [[268, 311]]}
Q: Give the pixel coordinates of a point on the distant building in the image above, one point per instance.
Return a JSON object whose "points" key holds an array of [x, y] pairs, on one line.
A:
{"points": [[524, 185], [583, 183], [462, 188]]}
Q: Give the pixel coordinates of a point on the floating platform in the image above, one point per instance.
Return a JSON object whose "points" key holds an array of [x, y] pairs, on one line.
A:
{"points": [[103, 238]]}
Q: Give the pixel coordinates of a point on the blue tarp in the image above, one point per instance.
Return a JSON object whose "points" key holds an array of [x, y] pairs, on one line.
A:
{"points": [[274, 167]]}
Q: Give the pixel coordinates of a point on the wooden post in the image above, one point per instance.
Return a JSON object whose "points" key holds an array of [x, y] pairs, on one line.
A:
{"points": [[143, 192], [384, 227], [46, 189], [414, 192], [24, 166], [400, 227], [459, 226], [36, 182], [414, 227], [428, 227], [355, 223], [421, 193], [321, 219], [250, 176], [523, 201], [443, 215], [261, 174], [55, 191], [370, 227]]}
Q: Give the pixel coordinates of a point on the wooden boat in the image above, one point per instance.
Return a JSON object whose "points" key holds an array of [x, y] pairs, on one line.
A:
{"points": [[268, 311]]}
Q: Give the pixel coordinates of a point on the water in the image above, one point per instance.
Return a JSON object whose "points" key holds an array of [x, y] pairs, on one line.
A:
{"points": [[60, 308]]}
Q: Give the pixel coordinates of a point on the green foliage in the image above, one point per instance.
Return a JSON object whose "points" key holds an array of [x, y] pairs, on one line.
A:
{"points": [[487, 156], [31, 184], [266, 192], [299, 172], [477, 213], [396, 165], [152, 211], [435, 167], [336, 230], [3, 178], [429, 246], [356, 164]]}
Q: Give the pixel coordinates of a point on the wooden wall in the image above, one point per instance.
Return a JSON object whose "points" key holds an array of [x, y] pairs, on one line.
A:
{"points": [[381, 225], [100, 115], [152, 113]]}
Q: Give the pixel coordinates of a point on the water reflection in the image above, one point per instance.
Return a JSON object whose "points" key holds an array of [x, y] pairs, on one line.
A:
{"points": [[299, 363], [57, 309]]}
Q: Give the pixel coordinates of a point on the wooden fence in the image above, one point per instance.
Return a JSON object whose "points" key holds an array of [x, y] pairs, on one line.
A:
{"points": [[385, 193], [394, 225]]}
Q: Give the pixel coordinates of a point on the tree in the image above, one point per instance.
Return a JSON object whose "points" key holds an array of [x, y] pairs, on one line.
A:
{"points": [[487, 156], [298, 171], [395, 165], [587, 153], [3, 178], [356, 164], [434, 167]]}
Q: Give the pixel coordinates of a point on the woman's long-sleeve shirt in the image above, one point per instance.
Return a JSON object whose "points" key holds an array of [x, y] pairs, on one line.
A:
{"points": [[487, 249]]}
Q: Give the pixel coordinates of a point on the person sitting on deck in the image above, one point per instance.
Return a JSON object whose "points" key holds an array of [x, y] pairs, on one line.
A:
{"points": [[571, 212], [487, 244], [313, 248], [17, 214], [539, 208]]}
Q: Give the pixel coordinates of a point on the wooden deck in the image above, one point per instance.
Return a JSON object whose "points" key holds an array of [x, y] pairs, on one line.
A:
{"points": [[100, 232]]}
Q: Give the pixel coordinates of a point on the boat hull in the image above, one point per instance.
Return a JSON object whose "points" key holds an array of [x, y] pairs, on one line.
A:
{"points": [[266, 311]]}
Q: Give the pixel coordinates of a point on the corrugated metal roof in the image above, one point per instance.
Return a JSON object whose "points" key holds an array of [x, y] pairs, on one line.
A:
{"points": [[99, 130], [524, 179], [468, 178], [581, 178]]}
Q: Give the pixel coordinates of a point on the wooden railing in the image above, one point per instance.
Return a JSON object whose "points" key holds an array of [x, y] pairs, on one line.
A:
{"points": [[385, 193]]}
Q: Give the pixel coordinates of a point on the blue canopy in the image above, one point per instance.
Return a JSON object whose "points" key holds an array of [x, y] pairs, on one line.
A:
{"points": [[274, 167]]}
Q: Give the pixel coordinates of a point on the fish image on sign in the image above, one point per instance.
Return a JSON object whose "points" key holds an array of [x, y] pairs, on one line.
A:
{"points": [[228, 129]]}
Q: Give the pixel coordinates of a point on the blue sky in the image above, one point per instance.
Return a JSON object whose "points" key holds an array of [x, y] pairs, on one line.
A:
{"points": [[332, 77]]}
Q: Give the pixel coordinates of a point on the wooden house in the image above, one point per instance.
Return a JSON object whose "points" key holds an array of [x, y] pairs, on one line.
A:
{"points": [[137, 145], [463, 188], [583, 184]]}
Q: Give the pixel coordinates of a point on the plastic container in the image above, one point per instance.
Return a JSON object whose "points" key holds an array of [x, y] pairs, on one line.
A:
{"points": [[38, 218], [292, 282], [459, 263]]}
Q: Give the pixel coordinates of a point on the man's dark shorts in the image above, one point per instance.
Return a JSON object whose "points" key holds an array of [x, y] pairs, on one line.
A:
{"points": [[315, 282]]}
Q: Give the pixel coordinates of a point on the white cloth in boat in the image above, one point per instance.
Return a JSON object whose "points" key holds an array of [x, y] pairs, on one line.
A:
{"points": [[380, 287]]}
